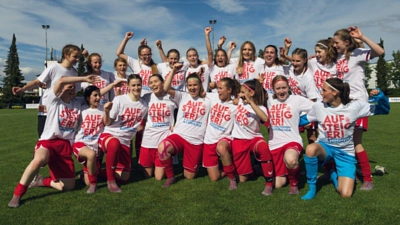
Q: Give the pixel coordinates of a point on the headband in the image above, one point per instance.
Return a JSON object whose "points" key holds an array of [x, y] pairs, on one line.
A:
{"points": [[247, 86], [331, 86], [319, 43]]}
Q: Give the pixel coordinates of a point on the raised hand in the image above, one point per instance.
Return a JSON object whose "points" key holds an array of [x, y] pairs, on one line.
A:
{"points": [[16, 90], [207, 30], [178, 66], [287, 42], [129, 35], [221, 41], [232, 45], [355, 32], [159, 44], [93, 79], [143, 41], [108, 106]]}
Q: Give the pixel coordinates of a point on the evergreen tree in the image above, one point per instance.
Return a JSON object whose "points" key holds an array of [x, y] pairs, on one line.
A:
{"points": [[382, 72], [367, 72], [81, 63], [13, 76], [394, 69], [261, 53]]}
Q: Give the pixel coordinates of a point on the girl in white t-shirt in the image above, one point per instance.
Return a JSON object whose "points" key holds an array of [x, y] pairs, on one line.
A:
{"points": [[219, 66], [188, 134], [123, 117], [218, 136], [285, 142], [49, 77], [86, 140], [248, 65], [54, 146], [160, 119], [246, 134], [178, 79], [336, 116], [120, 66], [350, 67], [272, 67]]}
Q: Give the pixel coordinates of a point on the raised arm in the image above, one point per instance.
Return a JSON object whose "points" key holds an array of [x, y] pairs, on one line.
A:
{"points": [[288, 43], [109, 87], [167, 83], [161, 51], [58, 87], [120, 51], [106, 118], [29, 85], [376, 50], [232, 47], [207, 32], [259, 112]]}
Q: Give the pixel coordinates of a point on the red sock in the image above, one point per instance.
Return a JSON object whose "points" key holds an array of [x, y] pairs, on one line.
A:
{"points": [[47, 182], [113, 146], [266, 162], [168, 167], [293, 175], [92, 179], [229, 171], [329, 166], [20, 190], [363, 161]]}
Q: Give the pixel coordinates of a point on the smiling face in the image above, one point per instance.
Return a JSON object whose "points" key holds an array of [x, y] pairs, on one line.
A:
{"points": [[121, 68], [173, 58], [247, 51], [135, 87], [224, 93], [244, 91], [94, 99], [193, 87], [339, 44], [270, 56], [192, 58], [298, 63], [220, 58], [156, 85], [328, 94], [145, 56], [95, 63], [73, 58], [281, 90]]}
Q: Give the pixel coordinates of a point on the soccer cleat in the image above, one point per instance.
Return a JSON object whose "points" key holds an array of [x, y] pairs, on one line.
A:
{"points": [[294, 190], [267, 191], [169, 182], [92, 188], [38, 182], [113, 187], [14, 203], [232, 184], [367, 186]]}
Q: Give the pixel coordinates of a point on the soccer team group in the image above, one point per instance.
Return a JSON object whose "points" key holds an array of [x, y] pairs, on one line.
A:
{"points": [[211, 112]]}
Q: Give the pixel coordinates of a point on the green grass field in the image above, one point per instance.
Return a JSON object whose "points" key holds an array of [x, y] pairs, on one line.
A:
{"points": [[197, 201]]}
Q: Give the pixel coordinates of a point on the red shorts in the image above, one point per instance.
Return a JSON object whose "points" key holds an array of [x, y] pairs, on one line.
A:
{"points": [[60, 161], [278, 155], [210, 154], [149, 157], [124, 160], [241, 149], [77, 146], [362, 123], [191, 153]]}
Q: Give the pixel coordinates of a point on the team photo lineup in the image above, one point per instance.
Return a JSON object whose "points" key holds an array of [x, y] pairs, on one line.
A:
{"points": [[210, 112]]}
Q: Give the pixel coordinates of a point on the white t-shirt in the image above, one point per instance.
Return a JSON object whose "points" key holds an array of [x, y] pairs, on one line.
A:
{"points": [[106, 78], [284, 120], [269, 73], [217, 73], [143, 71], [250, 69], [160, 119], [62, 118], [127, 116], [91, 127], [220, 119], [191, 121], [50, 76], [336, 125], [247, 123], [321, 73], [123, 89], [205, 77], [302, 84], [178, 81], [352, 72]]}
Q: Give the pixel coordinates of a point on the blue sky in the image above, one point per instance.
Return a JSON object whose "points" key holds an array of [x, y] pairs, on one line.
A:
{"points": [[101, 25]]}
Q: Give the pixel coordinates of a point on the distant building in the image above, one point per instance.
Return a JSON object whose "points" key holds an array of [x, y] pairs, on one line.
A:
{"points": [[373, 81]]}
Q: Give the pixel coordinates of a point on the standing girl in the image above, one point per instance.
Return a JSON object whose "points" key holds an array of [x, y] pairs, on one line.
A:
{"points": [[248, 65], [120, 66], [122, 119], [50, 76], [246, 134], [272, 67], [160, 119], [285, 141], [336, 116], [350, 68], [189, 129], [54, 146], [218, 137]]}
